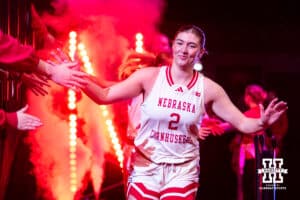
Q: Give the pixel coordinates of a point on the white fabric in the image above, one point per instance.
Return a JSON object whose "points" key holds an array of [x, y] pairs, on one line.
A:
{"points": [[164, 175], [166, 117]]}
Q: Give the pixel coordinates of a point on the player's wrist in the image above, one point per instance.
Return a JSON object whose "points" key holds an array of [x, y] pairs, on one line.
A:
{"points": [[11, 119], [262, 123]]}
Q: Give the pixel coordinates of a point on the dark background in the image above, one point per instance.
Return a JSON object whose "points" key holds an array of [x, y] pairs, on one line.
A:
{"points": [[248, 42], [239, 26]]}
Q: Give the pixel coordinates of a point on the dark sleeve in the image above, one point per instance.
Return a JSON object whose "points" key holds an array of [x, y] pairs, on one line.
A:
{"points": [[8, 118], [15, 56], [2, 117]]}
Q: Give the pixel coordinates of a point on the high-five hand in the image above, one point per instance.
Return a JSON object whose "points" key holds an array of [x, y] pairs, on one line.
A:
{"points": [[272, 112]]}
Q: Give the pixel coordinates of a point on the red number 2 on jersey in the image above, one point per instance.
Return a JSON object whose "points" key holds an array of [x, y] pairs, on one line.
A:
{"points": [[175, 120]]}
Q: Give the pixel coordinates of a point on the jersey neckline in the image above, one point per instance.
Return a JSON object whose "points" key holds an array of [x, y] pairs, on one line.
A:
{"points": [[189, 85]]}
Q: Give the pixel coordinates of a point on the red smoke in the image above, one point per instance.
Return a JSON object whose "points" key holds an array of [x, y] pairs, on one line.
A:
{"points": [[107, 28]]}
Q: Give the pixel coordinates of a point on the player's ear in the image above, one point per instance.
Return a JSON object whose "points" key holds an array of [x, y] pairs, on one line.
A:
{"points": [[202, 52]]}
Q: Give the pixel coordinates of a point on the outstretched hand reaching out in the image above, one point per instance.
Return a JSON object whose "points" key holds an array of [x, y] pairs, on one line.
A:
{"points": [[27, 121], [67, 75], [272, 112], [65, 72]]}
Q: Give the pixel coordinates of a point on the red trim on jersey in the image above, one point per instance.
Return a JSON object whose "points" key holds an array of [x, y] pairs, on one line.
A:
{"points": [[194, 80], [169, 77], [189, 85]]}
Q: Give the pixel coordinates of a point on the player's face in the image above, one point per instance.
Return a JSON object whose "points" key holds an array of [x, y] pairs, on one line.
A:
{"points": [[186, 48]]}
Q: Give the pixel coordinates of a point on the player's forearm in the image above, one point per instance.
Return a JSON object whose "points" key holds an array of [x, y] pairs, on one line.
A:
{"points": [[251, 125], [96, 93], [101, 82]]}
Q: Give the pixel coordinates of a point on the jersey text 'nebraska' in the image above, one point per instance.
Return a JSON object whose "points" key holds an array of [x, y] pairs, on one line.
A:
{"points": [[174, 104]]}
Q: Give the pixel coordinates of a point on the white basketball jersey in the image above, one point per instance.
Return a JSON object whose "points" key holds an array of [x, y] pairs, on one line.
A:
{"points": [[167, 115]]}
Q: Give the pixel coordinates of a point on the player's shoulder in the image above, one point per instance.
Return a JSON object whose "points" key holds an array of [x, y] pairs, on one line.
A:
{"points": [[212, 88], [208, 82]]}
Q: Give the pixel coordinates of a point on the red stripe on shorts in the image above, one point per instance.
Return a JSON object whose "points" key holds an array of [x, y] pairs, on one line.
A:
{"points": [[139, 191]]}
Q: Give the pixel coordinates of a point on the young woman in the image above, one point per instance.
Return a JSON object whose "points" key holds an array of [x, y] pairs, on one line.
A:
{"points": [[166, 165]]}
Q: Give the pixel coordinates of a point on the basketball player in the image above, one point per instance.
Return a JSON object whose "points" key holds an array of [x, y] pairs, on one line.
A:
{"points": [[166, 165]]}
